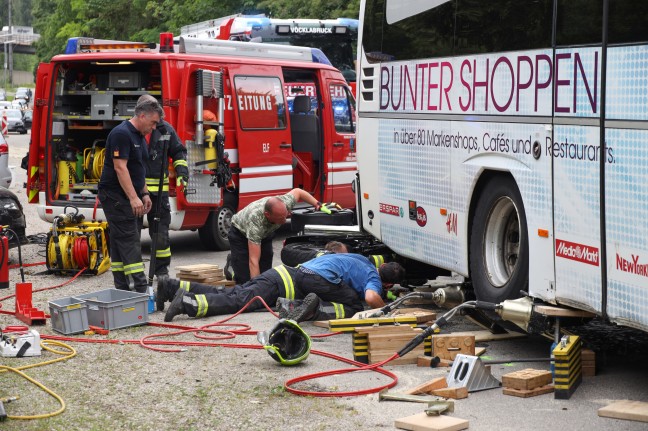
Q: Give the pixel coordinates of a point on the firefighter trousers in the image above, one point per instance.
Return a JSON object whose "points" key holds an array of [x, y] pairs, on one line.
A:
{"points": [[339, 301], [124, 237], [241, 256], [203, 300], [160, 232]]}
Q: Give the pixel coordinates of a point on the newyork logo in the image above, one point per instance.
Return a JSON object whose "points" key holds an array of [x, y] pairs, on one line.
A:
{"points": [[578, 252], [632, 266]]}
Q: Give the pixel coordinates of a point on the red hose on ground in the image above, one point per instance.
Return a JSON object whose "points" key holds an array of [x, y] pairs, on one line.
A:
{"points": [[148, 342]]}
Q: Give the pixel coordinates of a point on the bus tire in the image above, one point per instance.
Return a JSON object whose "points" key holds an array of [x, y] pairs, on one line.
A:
{"points": [[499, 244], [213, 235], [303, 216], [299, 252]]}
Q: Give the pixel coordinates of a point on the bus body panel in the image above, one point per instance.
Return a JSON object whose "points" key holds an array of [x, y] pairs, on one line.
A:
{"points": [[581, 254]]}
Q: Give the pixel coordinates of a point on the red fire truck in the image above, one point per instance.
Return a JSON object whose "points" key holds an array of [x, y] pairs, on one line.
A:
{"points": [[287, 116], [337, 38]]}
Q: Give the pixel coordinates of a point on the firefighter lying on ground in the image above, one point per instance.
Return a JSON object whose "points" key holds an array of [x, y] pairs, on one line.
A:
{"points": [[336, 284], [322, 299], [204, 300]]}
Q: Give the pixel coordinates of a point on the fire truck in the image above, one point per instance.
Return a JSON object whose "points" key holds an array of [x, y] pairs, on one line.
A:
{"points": [[337, 38], [286, 115]]}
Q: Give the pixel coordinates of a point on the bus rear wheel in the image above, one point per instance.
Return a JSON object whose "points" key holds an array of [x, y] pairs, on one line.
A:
{"points": [[213, 235], [499, 245]]}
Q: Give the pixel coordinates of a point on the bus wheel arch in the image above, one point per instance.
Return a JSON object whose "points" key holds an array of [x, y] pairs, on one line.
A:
{"points": [[498, 239]]}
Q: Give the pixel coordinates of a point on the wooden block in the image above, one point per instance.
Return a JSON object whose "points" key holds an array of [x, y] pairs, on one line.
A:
{"points": [[626, 409], [381, 346], [480, 351], [457, 393], [588, 355], [549, 310], [527, 379], [448, 346], [523, 393], [426, 361], [197, 267], [423, 422], [422, 315], [588, 370], [384, 329], [428, 387]]}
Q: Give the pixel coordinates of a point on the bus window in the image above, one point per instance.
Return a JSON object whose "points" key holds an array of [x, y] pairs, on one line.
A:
{"points": [[628, 21], [423, 35], [528, 25], [579, 22]]}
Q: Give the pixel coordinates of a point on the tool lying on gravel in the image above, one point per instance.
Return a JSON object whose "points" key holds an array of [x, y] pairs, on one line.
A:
{"points": [[3, 413], [98, 330]]}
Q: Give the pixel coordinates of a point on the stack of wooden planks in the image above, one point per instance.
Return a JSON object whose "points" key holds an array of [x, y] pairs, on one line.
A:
{"points": [[527, 383], [203, 273]]}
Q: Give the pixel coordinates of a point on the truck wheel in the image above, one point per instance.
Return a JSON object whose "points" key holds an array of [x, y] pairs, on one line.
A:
{"points": [[299, 252], [303, 216], [213, 235], [499, 244]]}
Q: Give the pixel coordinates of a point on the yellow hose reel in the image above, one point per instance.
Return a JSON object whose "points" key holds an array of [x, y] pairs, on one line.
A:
{"points": [[73, 248]]}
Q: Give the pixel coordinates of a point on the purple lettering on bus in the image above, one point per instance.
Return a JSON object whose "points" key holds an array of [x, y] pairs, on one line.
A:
{"points": [[446, 89], [407, 81], [400, 93], [578, 65], [560, 82], [502, 60], [431, 86], [523, 85], [384, 86], [484, 84], [422, 68], [466, 106], [540, 85]]}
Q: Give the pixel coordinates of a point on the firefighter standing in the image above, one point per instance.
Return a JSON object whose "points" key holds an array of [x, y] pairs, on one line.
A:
{"points": [[203, 300], [163, 135], [123, 193]]}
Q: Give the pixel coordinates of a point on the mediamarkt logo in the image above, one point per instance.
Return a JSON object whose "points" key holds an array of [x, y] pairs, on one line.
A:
{"points": [[578, 252]]}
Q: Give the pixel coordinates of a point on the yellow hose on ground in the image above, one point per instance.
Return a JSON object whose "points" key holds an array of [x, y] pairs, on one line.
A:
{"points": [[71, 352]]}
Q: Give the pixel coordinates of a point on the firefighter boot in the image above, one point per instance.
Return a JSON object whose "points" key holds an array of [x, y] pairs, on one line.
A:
{"points": [[229, 273], [176, 307], [285, 306], [313, 308], [162, 295]]}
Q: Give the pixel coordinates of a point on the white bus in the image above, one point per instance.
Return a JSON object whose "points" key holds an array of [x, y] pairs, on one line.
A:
{"points": [[507, 141]]}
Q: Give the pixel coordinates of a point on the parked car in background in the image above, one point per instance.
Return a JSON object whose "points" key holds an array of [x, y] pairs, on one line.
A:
{"points": [[27, 118], [5, 105], [3, 94], [23, 93], [15, 121], [19, 104], [5, 172], [12, 215]]}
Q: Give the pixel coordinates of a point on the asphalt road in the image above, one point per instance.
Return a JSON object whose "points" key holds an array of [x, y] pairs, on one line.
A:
{"points": [[621, 369]]}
